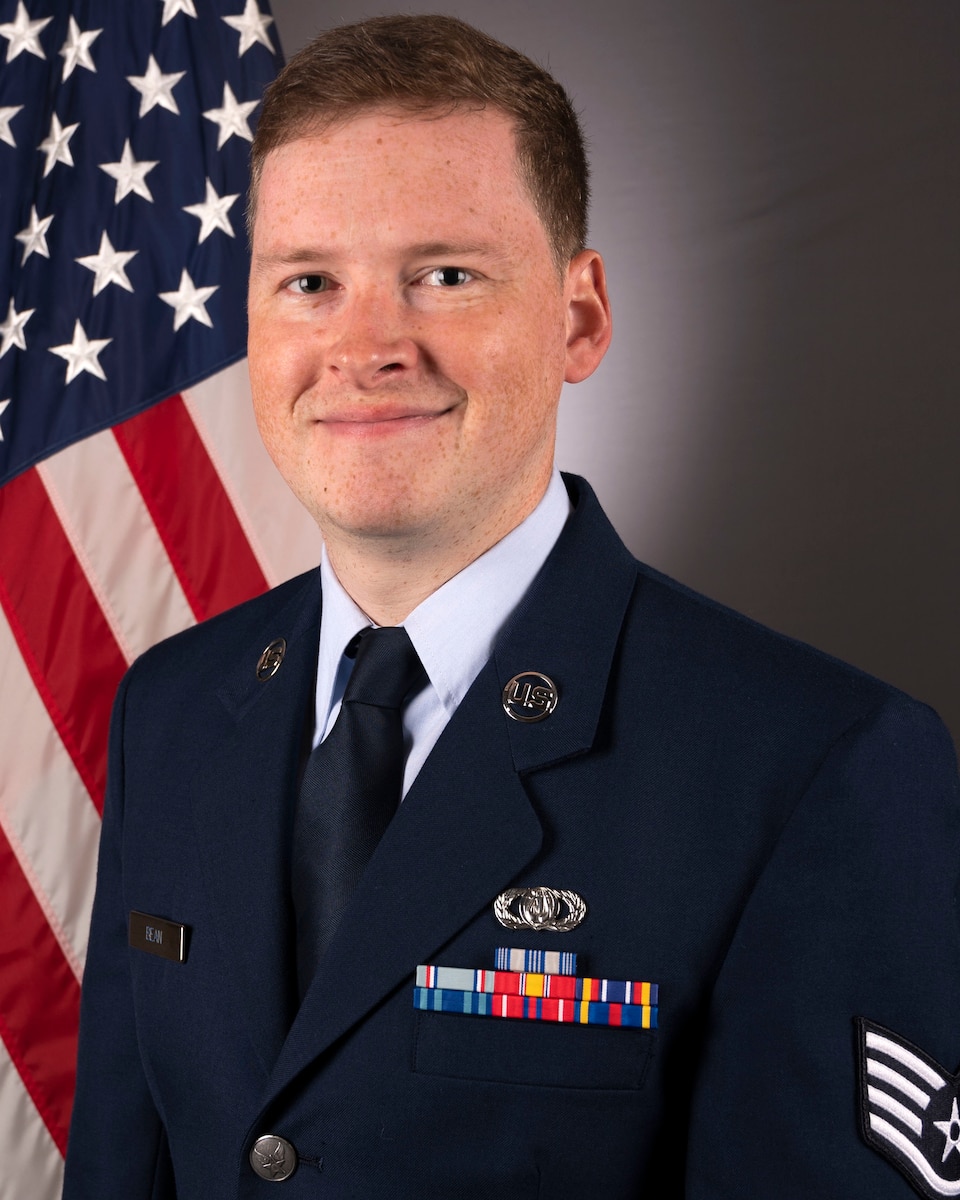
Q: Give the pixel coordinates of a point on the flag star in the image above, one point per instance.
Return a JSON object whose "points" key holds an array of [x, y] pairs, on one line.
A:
{"points": [[56, 145], [213, 212], [23, 34], [232, 117], [6, 116], [108, 266], [947, 1129], [252, 26], [188, 301], [4, 405], [11, 329], [82, 354], [76, 49], [172, 7], [34, 237], [156, 88], [131, 176]]}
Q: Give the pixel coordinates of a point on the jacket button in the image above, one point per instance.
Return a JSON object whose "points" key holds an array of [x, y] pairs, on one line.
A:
{"points": [[273, 1158]]}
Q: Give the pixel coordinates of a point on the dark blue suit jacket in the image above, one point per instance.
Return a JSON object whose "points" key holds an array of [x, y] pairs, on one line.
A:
{"points": [[771, 836]]}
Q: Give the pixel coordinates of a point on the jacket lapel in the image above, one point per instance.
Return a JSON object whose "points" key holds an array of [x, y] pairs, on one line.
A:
{"points": [[443, 858], [467, 827], [244, 811]]}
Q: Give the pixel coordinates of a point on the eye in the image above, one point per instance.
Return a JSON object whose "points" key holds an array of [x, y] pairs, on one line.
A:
{"points": [[309, 285], [446, 277]]}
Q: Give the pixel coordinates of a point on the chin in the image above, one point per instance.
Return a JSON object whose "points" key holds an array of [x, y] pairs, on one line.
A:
{"points": [[374, 520]]}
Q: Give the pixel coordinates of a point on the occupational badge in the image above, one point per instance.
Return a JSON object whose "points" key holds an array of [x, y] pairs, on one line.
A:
{"points": [[539, 908]]}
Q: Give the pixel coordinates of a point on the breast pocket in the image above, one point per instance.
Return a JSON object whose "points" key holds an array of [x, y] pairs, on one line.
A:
{"points": [[531, 1052]]}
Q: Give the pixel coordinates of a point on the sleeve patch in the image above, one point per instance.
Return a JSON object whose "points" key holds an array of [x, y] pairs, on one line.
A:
{"points": [[909, 1110]]}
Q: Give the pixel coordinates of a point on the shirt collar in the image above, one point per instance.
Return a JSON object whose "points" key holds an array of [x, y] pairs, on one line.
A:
{"points": [[454, 629]]}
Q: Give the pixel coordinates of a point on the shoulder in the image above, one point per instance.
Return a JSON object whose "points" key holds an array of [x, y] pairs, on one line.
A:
{"points": [[734, 671], [210, 648], [714, 667]]}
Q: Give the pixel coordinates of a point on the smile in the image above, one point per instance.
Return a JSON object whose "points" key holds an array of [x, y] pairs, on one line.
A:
{"points": [[376, 421]]}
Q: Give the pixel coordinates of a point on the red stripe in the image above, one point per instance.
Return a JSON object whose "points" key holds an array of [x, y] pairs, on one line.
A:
{"points": [[509, 983], [66, 643], [561, 987], [193, 514], [39, 1001]]}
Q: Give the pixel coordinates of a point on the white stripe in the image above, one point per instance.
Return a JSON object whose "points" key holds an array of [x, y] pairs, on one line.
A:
{"points": [[281, 534], [116, 543], [45, 810], [26, 1148], [896, 1109], [891, 1049], [943, 1187], [880, 1070]]}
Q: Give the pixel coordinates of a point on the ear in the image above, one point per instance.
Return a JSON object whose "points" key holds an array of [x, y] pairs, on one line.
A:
{"points": [[589, 326]]}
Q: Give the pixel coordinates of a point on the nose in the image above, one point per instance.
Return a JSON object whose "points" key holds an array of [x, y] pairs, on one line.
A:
{"points": [[374, 342]]}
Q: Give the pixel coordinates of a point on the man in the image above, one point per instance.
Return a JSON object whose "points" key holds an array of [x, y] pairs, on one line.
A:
{"points": [[753, 848]]}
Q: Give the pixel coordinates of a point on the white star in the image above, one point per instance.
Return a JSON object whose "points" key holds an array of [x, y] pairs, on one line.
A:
{"points": [[6, 116], [4, 404], [252, 26], [232, 117], [108, 265], [34, 237], [81, 354], [131, 176], [156, 88], [23, 34], [213, 212], [188, 301], [56, 145], [947, 1127], [11, 330], [76, 49], [172, 7]]}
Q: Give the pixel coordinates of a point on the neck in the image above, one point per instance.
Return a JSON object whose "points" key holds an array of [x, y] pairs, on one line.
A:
{"points": [[388, 576]]}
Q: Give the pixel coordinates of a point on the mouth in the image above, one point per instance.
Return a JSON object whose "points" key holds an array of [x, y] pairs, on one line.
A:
{"points": [[377, 419]]}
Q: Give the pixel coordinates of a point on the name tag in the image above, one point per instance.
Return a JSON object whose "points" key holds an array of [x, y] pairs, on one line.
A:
{"points": [[157, 936]]}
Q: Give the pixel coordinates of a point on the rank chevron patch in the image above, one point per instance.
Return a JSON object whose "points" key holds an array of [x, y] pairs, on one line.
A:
{"points": [[909, 1110]]}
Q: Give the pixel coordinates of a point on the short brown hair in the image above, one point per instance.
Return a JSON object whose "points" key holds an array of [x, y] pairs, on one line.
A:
{"points": [[429, 63]]}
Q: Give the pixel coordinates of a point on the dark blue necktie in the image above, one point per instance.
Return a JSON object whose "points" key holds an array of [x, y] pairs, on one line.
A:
{"points": [[351, 789]]}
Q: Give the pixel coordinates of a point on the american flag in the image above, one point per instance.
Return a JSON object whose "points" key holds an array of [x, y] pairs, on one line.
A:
{"points": [[136, 498]]}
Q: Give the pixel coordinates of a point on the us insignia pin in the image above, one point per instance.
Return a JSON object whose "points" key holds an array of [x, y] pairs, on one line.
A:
{"points": [[530, 696], [909, 1110], [268, 664]]}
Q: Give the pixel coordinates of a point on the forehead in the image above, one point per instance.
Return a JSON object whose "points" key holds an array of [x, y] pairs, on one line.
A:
{"points": [[384, 167]]}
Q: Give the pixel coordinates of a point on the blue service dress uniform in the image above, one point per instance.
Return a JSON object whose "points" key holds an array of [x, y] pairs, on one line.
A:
{"points": [[770, 836]]}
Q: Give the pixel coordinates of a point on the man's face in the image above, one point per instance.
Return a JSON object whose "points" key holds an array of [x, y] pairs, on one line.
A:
{"points": [[409, 329]]}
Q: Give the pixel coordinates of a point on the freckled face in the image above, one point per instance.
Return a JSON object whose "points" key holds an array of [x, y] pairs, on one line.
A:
{"points": [[408, 328]]}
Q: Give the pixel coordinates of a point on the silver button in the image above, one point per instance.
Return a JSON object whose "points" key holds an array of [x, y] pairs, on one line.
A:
{"points": [[273, 1158]]}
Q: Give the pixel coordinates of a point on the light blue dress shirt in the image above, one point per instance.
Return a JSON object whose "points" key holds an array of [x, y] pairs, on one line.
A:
{"points": [[453, 630]]}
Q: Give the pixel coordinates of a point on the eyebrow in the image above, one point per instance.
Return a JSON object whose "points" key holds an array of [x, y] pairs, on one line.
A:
{"points": [[298, 255], [449, 249], [290, 258]]}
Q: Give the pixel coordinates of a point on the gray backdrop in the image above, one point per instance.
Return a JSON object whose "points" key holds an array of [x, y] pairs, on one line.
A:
{"points": [[777, 196]]}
